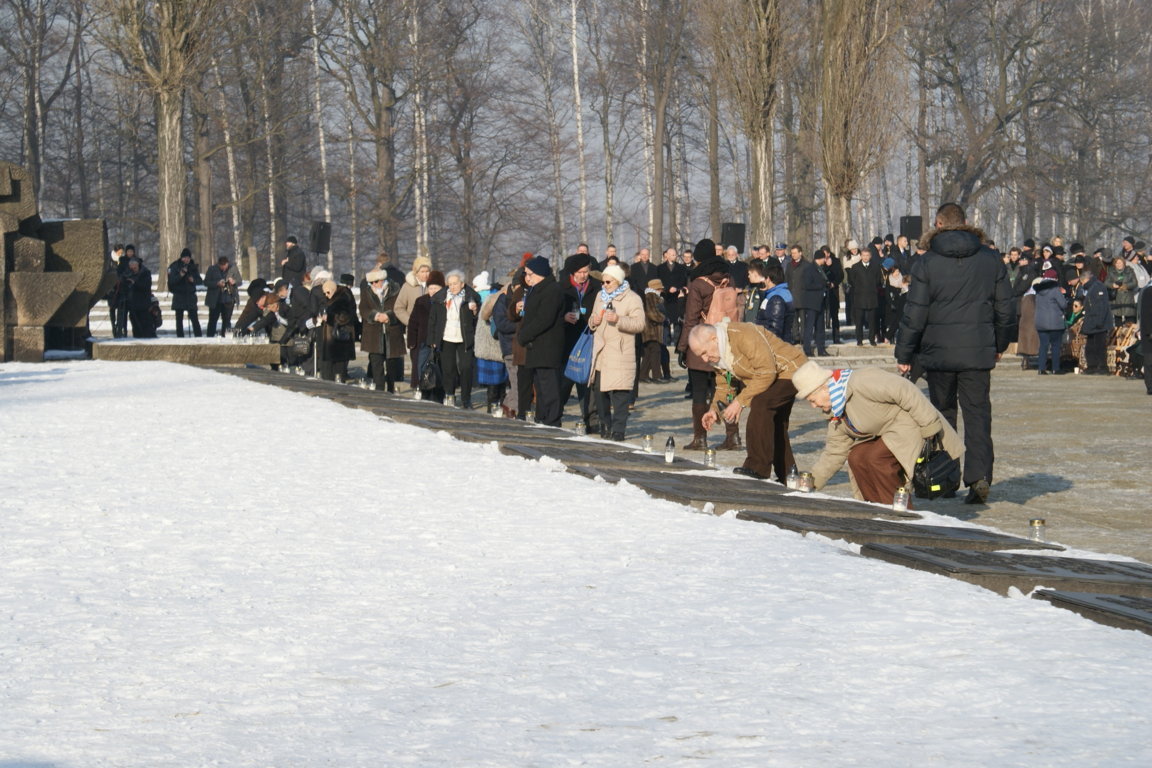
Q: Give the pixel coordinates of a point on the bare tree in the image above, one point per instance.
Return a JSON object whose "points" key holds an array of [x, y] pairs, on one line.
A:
{"points": [[856, 81], [165, 44]]}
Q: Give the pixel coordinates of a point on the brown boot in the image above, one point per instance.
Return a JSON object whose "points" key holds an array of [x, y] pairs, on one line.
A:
{"points": [[699, 434], [731, 438]]}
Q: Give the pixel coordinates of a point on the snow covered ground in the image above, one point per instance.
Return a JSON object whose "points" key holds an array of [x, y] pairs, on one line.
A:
{"points": [[334, 589]]}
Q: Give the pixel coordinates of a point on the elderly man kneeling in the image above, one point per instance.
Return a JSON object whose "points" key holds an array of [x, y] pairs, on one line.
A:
{"points": [[754, 370], [879, 421]]}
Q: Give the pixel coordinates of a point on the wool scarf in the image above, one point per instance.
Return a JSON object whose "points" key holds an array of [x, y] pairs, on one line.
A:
{"points": [[837, 386], [606, 297]]}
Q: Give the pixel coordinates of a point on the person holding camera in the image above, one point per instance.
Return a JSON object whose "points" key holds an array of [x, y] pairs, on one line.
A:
{"points": [[183, 277], [222, 280]]}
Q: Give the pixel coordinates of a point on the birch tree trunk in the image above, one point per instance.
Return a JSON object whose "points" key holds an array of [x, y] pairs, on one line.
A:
{"points": [[318, 111], [578, 106], [170, 171]]}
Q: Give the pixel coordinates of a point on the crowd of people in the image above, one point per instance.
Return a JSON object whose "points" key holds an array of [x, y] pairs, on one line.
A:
{"points": [[585, 334]]}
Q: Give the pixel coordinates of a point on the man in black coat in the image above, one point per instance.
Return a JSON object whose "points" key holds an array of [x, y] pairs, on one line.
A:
{"points": [[957, 321], [579, 290], [806, 282], [1098, 322], [542, 336], [674, 275], [641, 271], [294, 263], [865, 278], [1144, 319]]}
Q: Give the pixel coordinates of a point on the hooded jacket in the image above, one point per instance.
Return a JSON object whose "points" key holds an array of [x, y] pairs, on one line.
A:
{"points": [[958, 314]]}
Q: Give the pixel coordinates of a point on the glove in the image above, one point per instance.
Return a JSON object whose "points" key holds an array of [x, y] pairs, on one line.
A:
{"points": [[682, 359]]}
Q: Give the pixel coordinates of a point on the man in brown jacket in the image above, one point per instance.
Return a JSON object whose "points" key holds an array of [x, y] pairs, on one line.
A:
{"points": [[753, 369], [879, 422]]}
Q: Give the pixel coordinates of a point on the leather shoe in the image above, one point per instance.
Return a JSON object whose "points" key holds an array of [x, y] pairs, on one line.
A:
{"points": [[748, 473], [978, 492]]}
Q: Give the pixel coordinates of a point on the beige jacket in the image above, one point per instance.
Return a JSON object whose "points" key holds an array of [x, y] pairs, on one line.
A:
{"points": [[884, 405], [409, 292], [614, 344], [756, 357]]}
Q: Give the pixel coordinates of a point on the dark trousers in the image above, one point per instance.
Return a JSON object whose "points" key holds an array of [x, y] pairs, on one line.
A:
{"points": [[1096, 351], [223, 313], [812, 321], [703, 386], [1146, 350], [193, 318], [414, 359], [385, 371], [767, 430], [832, 310], [583, 397], [457, 362], [524, 389], [862, 316], [650, 363], [971, 391], [547, 383], [1050, 347], [612, 407], [142, 326]]}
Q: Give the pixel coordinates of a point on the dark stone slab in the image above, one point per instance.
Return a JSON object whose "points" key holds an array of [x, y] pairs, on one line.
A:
{"points": [[999, 571], [727, 491], [500, 430], [613, 456], [1123, 611], [886, 532]]}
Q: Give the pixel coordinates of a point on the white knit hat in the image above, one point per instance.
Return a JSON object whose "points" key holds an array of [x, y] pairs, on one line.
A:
{"points": [[482, 281], [809, 377], [615, 271]]}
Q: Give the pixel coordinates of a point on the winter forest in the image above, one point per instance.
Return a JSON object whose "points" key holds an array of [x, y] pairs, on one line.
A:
{"points": [[476, 130]]}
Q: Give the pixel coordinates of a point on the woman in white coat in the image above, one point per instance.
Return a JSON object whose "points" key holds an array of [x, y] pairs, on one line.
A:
{"points": [[617, 316]]}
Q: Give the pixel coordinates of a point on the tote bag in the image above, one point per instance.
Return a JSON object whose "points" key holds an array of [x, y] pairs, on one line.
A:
{"points": [[579, 367]]}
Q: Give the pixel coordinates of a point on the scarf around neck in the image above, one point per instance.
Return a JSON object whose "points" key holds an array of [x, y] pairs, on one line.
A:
{"points": [[837, 386], [621, 289]]}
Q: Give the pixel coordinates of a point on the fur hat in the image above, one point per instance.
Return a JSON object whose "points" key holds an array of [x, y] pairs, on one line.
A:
{"points": [[539, 266], [482, 281], [1029, 243], [376, 274], [577, 262], [853, 245], [615, 272], [435, 277], [809, 377], [710, 266], [656, 285], [421, 261], [257, 287]]}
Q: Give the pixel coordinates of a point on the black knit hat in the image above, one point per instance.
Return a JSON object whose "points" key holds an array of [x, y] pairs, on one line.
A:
{"points": [[704, 250], [539, 266]]}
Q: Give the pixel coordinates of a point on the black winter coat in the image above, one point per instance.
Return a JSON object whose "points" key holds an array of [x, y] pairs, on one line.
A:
{"points": [[338, 334], [807, 286], [1097, 310], [573, 302], [542, 331], [865, 281], [293, 270], [958, 314], [438, 318], [182, 281]]}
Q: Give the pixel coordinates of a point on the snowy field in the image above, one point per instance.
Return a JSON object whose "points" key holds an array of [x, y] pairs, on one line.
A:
{"points": [[336, 590]]}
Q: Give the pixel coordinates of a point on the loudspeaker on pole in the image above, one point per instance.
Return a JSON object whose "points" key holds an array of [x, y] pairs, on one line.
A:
{"points": [[911, 227], [320, 237], [732, 233]]}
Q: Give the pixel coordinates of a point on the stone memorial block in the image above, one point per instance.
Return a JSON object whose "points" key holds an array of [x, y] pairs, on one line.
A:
{"points": [[725, 492], [79, 246], [27, 343], [999, 571], [16, 198], [1123, 611], [36, 296], [859, 531], [611, 456], [28, 254]]}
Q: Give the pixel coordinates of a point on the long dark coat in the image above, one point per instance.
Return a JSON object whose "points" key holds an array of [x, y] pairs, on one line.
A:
{"points": [[542, 331], [380, 338], [182, 281]]}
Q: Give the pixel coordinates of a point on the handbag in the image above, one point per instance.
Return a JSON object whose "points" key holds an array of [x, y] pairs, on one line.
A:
{"points": [[936, 473], [431, 377], [579, 367], [485, 345]]}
